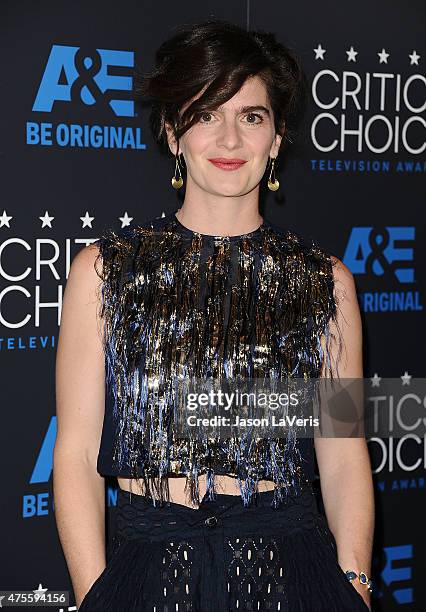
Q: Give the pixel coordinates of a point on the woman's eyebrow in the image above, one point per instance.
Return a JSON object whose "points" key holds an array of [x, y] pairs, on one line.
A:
{"points": [[250, 109]]}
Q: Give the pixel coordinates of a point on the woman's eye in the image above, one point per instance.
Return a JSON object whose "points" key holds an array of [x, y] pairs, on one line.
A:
{"points": [[254, 116], [203, 116]]}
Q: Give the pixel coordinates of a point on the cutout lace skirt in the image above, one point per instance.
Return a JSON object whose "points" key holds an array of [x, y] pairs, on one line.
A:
{"points": [[222, 557]]}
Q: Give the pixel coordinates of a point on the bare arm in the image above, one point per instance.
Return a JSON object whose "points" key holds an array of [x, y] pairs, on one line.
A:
{"points": [[344, 463], [79, 491]]}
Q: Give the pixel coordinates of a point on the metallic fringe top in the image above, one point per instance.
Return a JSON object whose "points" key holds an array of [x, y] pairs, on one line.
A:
{"points": [[176, 303]]}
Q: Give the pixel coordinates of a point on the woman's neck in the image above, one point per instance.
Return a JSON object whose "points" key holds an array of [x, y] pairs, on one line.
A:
{"points": [[209, 213]]}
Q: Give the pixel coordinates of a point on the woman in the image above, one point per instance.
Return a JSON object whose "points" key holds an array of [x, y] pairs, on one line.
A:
{"points": [[211, 292]]}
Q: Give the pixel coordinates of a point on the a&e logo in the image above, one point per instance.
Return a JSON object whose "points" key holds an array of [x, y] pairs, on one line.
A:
{"points": [[388, 253], [97, 79], [73, 74]]}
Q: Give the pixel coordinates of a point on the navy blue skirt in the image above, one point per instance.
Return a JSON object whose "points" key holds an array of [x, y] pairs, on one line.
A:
{"points": [[222, 557]]}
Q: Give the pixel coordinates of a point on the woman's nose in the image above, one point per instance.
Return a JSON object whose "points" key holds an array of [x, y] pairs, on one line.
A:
{"points": [[229, 135]]}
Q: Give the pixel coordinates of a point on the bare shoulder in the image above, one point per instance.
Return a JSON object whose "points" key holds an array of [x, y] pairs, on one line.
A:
{"points": [[86, 262], [84, 278], [80, 318], [88, 253], [348, 319], [344, 282]]}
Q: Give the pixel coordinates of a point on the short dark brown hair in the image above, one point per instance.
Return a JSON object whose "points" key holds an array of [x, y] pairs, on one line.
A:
{"points": [[220, 56]]}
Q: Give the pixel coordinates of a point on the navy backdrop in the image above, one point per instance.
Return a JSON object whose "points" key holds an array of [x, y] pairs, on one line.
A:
{"points": [[77, 157]]}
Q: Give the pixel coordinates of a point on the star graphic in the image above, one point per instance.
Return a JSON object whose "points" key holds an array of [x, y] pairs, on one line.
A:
{"points": [[87, 220], [319, 52], [375, 381], [414, 57], [4, 219], [351, 55], [406, 378], [39, 591], [46, 220], [383, 57], [125, 220], [1, 599]]}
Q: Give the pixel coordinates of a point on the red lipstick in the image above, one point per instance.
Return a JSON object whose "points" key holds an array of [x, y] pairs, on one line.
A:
{"points": [[226, 163]]}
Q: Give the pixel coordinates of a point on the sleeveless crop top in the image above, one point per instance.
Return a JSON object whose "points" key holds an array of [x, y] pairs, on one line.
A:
{"points": [[175, 302]]}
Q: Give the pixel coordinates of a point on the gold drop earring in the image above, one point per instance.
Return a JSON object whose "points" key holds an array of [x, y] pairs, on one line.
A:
{"points": [[273, 184], [177, 182]]}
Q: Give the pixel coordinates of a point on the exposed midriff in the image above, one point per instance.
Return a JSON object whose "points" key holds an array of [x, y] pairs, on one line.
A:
{"points": [[226, 485]]}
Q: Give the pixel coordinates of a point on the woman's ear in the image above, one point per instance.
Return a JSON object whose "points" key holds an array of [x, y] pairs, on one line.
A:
{"points": [[171, 138], [275, 146]]}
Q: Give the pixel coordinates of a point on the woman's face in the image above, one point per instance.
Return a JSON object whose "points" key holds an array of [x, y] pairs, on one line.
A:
{"points": [[241, 129]]}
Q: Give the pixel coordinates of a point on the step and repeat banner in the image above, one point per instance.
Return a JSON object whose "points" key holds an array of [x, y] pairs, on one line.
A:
{"points": [[77, 157]]}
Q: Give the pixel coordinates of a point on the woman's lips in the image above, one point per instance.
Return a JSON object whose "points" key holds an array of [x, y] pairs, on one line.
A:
{"points": [[227, 164]]}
